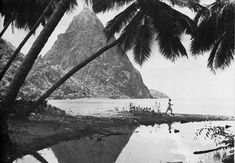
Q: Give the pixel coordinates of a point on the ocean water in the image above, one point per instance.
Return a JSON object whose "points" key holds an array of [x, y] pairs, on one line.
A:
{"points": [[109, 107]]}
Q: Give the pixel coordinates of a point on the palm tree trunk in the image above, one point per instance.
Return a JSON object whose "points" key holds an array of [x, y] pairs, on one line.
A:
{"points": [[5, 68], [71, 72], [6, 26], [32, 55], [6, 143]]}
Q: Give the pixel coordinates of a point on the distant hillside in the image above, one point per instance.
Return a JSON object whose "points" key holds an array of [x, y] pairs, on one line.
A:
{"points": [[156, 94], [41, 77]]}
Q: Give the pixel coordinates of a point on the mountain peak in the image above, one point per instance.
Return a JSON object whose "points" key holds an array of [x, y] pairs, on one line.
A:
{"points": [[86, 18], [109, 75]]}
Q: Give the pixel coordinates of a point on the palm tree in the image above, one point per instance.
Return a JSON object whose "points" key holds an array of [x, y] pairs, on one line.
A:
{"points": [[32, 55], [215, 32], [13, 56], [5, 26], [19, 78], [141, 24], [44, 16], [22, 13]]}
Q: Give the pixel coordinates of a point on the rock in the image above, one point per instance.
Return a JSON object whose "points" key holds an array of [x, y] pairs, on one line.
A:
{"points": [[110, 75], [227, 126], [156, 94], [176, 131]]}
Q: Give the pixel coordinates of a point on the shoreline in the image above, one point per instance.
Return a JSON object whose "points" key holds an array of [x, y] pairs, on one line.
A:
{"points": [[43, 130]]}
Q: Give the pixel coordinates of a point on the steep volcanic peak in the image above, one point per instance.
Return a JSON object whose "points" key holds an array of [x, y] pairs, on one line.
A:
{"points": [[110, 75], [86, 18]]}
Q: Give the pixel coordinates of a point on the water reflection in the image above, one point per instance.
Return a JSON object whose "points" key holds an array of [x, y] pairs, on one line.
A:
{"points": [[94, 149], [165, 143], [46, 154], [170, 143]]}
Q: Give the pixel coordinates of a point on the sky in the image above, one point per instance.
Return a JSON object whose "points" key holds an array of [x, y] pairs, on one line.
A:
{"points": [[185, 78]]}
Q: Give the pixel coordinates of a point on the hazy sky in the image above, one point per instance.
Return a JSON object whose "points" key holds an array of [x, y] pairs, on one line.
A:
{"points": [[186, 78]]}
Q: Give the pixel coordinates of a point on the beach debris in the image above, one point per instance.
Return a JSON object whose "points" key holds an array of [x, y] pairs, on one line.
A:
{"points": [[146, 111], [227, 126], [176, 131]]}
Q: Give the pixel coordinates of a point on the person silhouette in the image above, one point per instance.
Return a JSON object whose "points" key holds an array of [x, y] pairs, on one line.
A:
{"points": [[169, 126], [169, 108]]}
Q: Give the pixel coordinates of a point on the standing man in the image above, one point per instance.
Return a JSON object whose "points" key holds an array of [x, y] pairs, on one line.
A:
{"points": [[169, 108]]}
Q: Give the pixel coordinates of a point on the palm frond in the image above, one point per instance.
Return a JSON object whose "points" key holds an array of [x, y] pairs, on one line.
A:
{"points": [[169, 30], [191, 4], [128, 34], [144, 40], [201, 14], [106, 5], [26, 12], [118, 22], [170, 44], [205, 35], [222, 53], [175, 18], [183, 21], [225, 17], [211, 59]]}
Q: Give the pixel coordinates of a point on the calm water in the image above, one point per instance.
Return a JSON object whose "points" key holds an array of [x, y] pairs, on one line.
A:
{"points": [[165, 143], [108, 107]]}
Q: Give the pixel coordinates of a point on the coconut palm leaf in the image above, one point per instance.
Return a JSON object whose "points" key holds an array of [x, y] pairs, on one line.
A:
{"points": [[119, 21], [204, 36], [191, 4], [182, 21], [224, 19], [215, 32], [106, 5], [212, 57], [201, 14], [170, 44], [26, 12], [128, 34], [222, 53], [144, 21], [169, 26], [145, 37]]}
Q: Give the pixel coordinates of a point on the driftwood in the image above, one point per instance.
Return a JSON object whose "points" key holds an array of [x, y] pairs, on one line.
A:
{"points": [[210, 150]]}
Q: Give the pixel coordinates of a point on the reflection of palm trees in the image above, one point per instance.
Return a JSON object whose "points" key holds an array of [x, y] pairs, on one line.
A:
{"points": [[39, 157], [221, 136]]}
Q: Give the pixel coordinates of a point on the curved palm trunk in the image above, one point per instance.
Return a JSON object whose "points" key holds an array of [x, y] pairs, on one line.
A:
{"points": [[71, 72], [20, 76], [6, 26], [5, 68], [32, 55]]}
